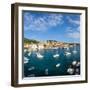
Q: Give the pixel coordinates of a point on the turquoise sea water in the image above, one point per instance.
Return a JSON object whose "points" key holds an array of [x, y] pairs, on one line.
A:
{"points": [[50, 66]]}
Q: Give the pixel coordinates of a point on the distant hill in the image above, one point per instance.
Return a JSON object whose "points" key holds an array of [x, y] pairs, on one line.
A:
{"points": [[30, 41]]}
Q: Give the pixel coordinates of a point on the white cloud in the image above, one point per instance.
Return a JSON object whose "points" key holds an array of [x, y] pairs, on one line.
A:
{"points": [[72, 21], [69, 29], [55, 19], [42, 23], [78, 28], [73, 32], [75, 35]]}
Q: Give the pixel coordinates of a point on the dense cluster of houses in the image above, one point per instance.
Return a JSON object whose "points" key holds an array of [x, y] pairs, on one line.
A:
{"points": [[46, 45]]}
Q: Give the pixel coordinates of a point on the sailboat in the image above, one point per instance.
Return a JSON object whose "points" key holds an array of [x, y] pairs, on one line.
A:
{"points": [[67, 53], [74, 51], [56, 55]]}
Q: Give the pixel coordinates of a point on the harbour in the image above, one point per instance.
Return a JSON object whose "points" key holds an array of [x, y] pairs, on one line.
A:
{"points": [[52, 62]]}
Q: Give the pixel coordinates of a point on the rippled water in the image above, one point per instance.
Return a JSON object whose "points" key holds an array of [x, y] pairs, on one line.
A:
{"points": [[48, 65]]}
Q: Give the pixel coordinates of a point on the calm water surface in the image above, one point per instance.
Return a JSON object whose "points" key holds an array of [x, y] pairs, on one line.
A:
{"points": [[48, 65]]}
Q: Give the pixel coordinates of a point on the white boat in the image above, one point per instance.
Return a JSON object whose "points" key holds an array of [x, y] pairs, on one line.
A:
{"points": [[74, 63], [58, 65], [70, 70], [39, 55], [56, 55], [67, 53], [26, 60], [29, 53]]}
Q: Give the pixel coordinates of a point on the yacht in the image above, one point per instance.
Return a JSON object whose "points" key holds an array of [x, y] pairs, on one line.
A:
{"points": [[74, 63], [67, 53], [39, 55]]}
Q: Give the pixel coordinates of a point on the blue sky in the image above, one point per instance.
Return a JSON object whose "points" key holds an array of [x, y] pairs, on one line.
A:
{"points": [[51, 26]]}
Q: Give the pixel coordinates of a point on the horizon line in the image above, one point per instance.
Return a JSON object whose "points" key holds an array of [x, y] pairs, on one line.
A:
{"points": [[52, 40]]}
